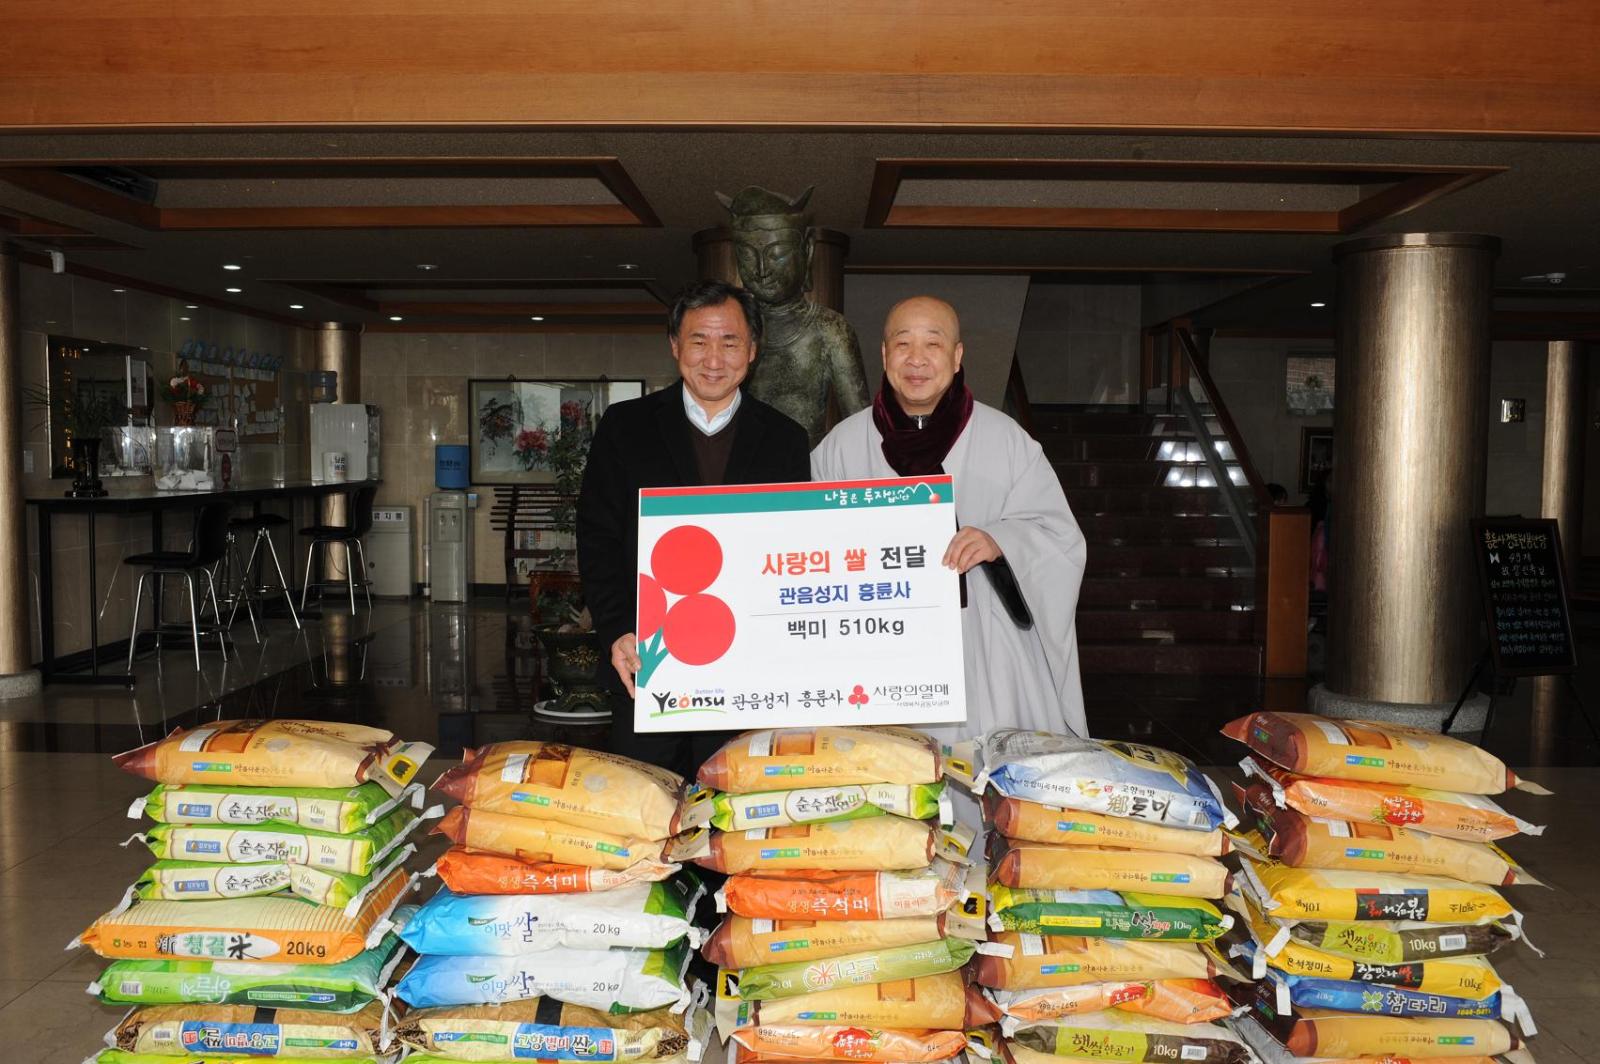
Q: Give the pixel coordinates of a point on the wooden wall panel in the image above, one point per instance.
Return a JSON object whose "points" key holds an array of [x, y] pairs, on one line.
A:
{"points": [[1514, 67]]}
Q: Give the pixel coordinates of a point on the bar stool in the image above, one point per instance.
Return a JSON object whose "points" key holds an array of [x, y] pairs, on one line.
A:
{"points": [[358, 518], [206, 548], [251, 590]]}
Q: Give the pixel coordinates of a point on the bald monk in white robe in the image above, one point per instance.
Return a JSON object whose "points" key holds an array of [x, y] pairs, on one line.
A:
{"points": [[1010, 509]]}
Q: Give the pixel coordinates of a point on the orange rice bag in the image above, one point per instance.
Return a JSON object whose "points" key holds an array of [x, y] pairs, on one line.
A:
{"points": [[1450, 814], [544, 840], [474, 872], [930, 1002], [818, 894], [1313, 842], [1037, 867], [809, 757], [837, 1042], [1016, 818], [581, 788], [880, 843], [744, 943], [278, 753], [1373, 752], [1174, 1000], [1060, 960]]}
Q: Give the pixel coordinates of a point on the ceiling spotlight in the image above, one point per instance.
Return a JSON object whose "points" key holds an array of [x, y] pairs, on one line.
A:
{"points": [[1319, 304], [236, 291], [183, 319], [191, 306], [297, 306], [627, 265], [119, 289], [537, 317], [427, 265], [231, 266], [396, 317]]}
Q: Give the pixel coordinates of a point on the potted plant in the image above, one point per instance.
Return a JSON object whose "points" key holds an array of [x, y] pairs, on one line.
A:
{"points": [[555, 594], [187, 394], [84, 417]]}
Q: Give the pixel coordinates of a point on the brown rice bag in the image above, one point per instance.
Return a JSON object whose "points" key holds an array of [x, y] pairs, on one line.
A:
{"points": [[1026, 821], [544, 840], [277, 753], [166, 1030], [787, 758], [497, 1032], [587, 789], [1038, 962], [930, 1002], [880, 843], [1036, 867], [744, 943], [1373, 752]]}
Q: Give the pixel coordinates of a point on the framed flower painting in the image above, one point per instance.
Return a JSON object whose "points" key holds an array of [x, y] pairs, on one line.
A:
{"points": [[520, 430]]}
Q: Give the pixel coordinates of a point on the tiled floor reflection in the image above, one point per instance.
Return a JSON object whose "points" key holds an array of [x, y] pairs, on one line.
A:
{"points": [[460, 677]]}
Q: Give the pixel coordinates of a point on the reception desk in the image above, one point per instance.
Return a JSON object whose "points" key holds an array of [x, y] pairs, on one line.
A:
{"points": [[86, 666]]}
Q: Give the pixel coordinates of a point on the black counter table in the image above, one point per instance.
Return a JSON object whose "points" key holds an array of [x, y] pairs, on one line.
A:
{"points": [[143, 499]]}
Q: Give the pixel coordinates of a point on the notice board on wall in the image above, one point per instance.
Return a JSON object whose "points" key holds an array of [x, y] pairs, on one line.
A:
{"points": [[1524, 596]]}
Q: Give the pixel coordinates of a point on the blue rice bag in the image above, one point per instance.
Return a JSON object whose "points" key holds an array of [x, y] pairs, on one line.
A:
{"points": [[1102, 776], [614, 980], [635, 916]]}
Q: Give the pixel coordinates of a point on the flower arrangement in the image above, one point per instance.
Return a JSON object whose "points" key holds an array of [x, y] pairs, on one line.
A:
{"points": [[185, 388]]}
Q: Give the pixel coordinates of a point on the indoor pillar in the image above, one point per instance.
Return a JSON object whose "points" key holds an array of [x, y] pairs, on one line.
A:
{"points": [[338, 349], [714, 249], [1410, 434], [17, 676], [1565, 398]]}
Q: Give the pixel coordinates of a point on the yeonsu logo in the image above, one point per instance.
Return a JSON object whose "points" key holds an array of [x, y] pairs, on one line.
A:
{"points": [[670, 703]]}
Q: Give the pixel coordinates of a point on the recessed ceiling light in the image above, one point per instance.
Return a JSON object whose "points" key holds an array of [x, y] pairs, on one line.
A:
{"points": [[427, 265], [297, 306], [231, 266], [236, 291], [396, 317], [183, 319], [538, 317], [1319, 304], [191, 306], [627, 265], [119, 289]]}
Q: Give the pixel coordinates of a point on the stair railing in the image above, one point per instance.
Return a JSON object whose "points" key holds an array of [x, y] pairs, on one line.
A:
{"points": [[1232, 498]]}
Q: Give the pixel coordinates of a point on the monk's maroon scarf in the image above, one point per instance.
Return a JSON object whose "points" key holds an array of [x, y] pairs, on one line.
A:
{"points": [[919, 452]]}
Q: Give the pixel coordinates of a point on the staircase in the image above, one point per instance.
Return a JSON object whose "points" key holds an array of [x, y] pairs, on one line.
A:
{"points": [[1169, 587]]}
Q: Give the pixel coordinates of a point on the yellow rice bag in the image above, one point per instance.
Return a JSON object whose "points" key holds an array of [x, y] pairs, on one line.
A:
{"points": [[1016, 818], [1315, 842], [278, 753], [843, 1042], [1374, 752], [1287, 893], [519, 1029], [527, 839], [1473, 978], [880, 843], [928, 1003], [1176, 1000], [743, 943], [1454, 815], [167, 1030], [586, 789], [1320, 1033], [275, 930], [812, 757], [1092, 868], [1037, 962]]}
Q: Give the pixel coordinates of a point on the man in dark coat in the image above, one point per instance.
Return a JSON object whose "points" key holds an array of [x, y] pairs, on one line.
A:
{"points": [[702, 431]]}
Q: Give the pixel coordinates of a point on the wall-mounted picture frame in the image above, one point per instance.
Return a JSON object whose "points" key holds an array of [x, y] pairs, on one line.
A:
{"points": [[1316, 456], [516, 427], [1308, 383]]}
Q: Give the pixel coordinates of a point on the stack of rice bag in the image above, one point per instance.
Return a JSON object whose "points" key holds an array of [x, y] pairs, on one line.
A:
{"points": [[560, 930], [264, 926], [1103, 883], [1368, 897], [842, 935]]}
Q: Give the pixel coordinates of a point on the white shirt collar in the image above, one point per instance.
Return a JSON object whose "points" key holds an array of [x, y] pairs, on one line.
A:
{"points": [[710, 425]]}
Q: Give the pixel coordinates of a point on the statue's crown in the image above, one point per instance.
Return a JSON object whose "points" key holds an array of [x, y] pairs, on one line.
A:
{"points": [[757, 208]]}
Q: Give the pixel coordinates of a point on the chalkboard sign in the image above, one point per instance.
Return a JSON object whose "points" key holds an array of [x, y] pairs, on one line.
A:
{"points": [[1524, 596]]}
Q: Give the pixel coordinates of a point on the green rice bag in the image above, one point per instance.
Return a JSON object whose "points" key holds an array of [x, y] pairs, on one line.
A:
{"points": [[341, 810], [344, 987], [357, 853], [815, 805], [117, 1056], [772, 981], [1105, 914], [200, 881]]}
